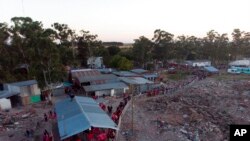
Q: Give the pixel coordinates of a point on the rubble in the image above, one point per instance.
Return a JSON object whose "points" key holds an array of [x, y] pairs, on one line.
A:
{"points": [[16, 121], [202, 111]]}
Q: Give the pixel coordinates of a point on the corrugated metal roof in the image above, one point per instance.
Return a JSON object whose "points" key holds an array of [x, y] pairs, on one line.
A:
{"points": [[79, 115], [6, 93], [97, 77], [139, 71], [135, 80], [107, 86], [150, 75], [24, 83], [124, 74], [211, 69]]}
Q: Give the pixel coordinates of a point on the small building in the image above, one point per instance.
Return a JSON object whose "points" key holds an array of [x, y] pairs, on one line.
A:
{"points": [[79, 114], [111, 89], [145, 74], [198, 63], [95, 62], [150, 76], [20, 93], [239, 70], [138, 84]]}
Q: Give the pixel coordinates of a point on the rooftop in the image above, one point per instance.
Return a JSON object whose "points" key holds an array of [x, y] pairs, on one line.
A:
{"points": [[97, 77], [79, 115], [125, 73], [24, 83], [117, 85], [135, 80], [139, 71]]}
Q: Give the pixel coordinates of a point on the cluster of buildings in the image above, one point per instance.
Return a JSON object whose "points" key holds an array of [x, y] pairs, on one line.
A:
{"points": [[99, 82]]}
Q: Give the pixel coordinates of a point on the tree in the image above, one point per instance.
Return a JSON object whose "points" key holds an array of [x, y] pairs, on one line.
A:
{"points": [[86, 44], [121, 63], [142, 51], [163, 43], [113, 50]]}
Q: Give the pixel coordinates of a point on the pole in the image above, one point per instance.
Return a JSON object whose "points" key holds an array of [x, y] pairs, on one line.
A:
{"points": [[133, 90], [44, 75]]}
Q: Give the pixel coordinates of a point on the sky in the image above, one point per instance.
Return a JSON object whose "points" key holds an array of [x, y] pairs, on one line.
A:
{"points": [[126, 20]]}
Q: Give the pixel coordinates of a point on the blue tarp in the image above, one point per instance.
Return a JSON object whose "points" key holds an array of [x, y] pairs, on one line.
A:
{"points": [[79, 115], [211, 69]]}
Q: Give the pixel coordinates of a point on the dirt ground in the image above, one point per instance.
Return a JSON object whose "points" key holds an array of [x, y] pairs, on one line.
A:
{"points": [[202, 111], [15, 122]]}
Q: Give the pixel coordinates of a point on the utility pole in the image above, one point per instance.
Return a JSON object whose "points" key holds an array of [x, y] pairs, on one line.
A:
{"points": [[45, 79], [134, 90], [132, 110]]}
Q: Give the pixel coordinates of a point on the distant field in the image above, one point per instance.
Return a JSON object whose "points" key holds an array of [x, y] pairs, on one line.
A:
{"points": [[129, 45]]}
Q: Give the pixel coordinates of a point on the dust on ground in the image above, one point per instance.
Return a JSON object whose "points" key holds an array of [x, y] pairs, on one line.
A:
{"points": [[202, 111]]}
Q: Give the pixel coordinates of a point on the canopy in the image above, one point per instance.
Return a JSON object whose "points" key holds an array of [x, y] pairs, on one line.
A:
{"points": [[80, 114]]}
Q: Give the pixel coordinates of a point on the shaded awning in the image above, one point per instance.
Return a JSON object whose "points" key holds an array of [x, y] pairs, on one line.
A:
{"points": [[79, 115]]}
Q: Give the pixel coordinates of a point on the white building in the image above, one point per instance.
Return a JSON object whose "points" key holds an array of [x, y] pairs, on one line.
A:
{"points": [[95, 62], [243, 62], [198, 63]]}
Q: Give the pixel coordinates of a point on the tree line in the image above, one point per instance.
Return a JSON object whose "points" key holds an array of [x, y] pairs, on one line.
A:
{"points": [[30, 51]]}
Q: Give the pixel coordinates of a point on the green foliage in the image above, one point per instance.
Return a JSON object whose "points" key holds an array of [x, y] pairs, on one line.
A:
{"points": [[177, 76], [121, 63], [113, 50]]}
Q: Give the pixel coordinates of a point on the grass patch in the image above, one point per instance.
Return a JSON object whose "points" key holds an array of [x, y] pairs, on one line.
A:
{"points": [[177, 76]]}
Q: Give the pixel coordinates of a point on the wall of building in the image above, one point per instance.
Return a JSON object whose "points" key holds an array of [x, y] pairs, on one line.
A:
{"points": [[103, 92], [201, 64], [5, 104]]}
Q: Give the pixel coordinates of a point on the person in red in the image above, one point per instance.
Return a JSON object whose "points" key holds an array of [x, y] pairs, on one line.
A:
{"points": [[90, 136], [114, 117], [96, 131], [78, 138], [46, 136], [111, 134], [102, 137]]}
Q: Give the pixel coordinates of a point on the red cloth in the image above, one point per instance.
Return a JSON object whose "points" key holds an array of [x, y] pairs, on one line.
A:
{"points": [[90, 136], [114, 117], [96, 131], [102, 137]]}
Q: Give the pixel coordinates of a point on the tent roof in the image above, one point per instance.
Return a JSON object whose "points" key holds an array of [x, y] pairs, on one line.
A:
{"points": [[79, 115]]}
